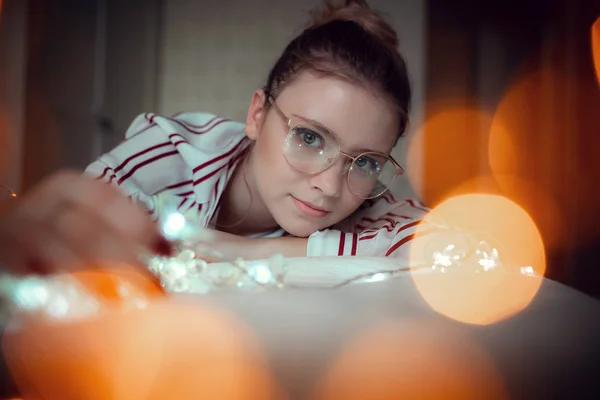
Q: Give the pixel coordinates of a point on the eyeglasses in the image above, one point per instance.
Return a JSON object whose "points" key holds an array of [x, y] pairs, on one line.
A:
{"points": [[312, 149]]}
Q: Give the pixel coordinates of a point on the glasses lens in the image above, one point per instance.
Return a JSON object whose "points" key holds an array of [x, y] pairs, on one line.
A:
{"points": [[370, 175], [310, 149]]}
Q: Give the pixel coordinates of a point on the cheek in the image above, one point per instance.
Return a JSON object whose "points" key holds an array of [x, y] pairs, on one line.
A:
{"points": [[272, 170]]}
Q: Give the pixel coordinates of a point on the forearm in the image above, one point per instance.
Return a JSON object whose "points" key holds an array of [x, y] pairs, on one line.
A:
{"points": [[286, 246], [232, 246]]}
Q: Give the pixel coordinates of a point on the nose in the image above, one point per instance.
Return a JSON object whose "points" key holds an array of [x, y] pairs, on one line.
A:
{"points": [[331, 181]]}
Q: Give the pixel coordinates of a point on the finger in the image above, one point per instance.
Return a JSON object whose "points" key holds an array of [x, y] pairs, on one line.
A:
{"points": [[107, 204], [210, 254], [93, 239], [32, 246]]}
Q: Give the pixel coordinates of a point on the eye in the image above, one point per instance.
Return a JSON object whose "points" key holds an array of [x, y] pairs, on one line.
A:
{"points": [[309, 137], [368, 165]]}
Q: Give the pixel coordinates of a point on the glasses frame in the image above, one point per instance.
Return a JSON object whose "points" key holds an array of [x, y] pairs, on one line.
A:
{"points": [[289, 122]]}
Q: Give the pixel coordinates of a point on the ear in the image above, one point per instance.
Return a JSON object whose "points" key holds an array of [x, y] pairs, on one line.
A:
{"points": [[256, 114]]}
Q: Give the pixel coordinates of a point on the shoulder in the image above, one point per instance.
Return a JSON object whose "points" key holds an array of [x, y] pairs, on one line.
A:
{"points": [[388, 202], [197, 128], [383, 210]]}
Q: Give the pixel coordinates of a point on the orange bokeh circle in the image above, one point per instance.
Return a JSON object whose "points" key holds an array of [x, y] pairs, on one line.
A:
{"points": [[544, 133], [411, 359], [466, 293], [596, 47], [447, 151], [180, 349]]}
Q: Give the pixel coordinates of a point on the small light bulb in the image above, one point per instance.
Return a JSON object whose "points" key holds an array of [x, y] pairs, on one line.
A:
{"points": [[173, 225]]}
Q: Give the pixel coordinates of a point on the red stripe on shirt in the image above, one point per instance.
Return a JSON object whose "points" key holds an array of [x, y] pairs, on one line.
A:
{"points": [[103, 173], [222, 156], [399, 243], [372, 221], [354, 244], [151, 124], [216, 192], [178, 185], [182, 203], [174, 135], [403, 227], [204, 125], [149, 149], [144, 163], [387, 199], [211, 174], [397, 216], [189, 128], [127, 160], [387, 227], [342, 244], [412, 204], [405, 240], [141, 153], [174, 152]]}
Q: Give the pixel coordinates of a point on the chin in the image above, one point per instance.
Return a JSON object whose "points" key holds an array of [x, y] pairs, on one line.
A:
{"points": [[299, 231], [297, 227]]}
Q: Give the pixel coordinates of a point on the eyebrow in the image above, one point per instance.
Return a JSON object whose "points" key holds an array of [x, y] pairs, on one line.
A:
{"points": [[320, 125]]}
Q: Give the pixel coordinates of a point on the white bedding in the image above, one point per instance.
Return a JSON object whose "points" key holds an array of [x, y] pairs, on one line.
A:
{"points": [[331, 271]]}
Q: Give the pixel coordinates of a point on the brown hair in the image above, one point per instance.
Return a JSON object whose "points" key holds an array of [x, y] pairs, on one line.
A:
{"points": [[350, 41]]}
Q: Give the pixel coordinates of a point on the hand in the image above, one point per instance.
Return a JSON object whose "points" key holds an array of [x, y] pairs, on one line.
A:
{"points": [[69, 222]]}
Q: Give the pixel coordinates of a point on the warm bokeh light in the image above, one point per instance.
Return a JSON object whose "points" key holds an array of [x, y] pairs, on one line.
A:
{"points": [[106, 283], [466, 293], [596, 46], [411, 360], [447, 151], [544, 133], [170, 350], [529, 196]]}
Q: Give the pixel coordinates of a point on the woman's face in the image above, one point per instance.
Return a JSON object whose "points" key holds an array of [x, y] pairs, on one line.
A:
{"points": [[303, 203]]}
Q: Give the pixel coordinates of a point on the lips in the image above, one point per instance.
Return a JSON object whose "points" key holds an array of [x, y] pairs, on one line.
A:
{"points": [[309, 209]]}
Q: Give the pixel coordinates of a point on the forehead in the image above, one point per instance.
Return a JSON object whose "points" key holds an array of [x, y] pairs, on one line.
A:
{"points": [[361, 120]]}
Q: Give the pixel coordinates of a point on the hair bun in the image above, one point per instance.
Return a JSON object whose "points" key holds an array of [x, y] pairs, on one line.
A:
{"points": [[357, 11]]}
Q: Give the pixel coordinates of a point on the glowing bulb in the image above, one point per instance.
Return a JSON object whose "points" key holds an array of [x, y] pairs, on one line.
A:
{"points": [[377, 277], [262, 274], [173, 225], [527, 270]]}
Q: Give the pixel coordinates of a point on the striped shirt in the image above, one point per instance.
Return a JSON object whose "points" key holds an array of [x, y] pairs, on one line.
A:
{"points": [[191, 157]]}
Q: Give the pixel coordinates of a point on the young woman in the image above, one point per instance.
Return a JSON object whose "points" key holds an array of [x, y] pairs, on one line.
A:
{"points": [[308, 172]]}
